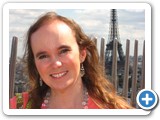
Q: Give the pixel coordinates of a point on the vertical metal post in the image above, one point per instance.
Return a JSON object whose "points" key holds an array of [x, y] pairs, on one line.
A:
{"points": [[126, 71], [102, 53], [114, 64], [134, 78], [143, 68], [12, 65]]}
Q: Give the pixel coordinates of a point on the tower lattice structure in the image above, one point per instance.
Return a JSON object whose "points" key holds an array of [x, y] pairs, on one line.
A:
{"points": [[113, 36]]}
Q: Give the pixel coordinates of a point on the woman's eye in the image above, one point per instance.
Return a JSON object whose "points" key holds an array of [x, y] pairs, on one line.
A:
{"points": [[63, 51], [42, 57]]}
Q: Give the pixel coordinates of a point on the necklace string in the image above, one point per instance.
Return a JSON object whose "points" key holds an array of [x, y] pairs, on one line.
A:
{"points": [[84, 102]]}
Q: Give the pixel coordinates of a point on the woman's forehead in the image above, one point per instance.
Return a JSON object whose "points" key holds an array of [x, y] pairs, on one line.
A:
{"points": [[55, 33]]}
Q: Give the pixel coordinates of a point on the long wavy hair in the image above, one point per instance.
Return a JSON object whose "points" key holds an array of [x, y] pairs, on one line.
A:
{"points": [[99, 88]]}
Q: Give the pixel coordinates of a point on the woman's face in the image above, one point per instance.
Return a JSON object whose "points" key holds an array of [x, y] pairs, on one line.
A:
{"points": [[57, 56]]}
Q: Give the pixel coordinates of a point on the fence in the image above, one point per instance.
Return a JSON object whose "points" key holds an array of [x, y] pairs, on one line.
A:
{"points": [[134, 88]]}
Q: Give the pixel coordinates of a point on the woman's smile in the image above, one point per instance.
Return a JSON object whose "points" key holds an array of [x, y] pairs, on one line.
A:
{"points": [[59, 75]]}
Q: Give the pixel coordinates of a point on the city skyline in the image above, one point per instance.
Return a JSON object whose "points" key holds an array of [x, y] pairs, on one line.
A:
{"points": [[94, 22]]}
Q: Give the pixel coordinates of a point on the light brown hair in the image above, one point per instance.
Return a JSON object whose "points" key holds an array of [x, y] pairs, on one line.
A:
{"points": [[99, 88]]}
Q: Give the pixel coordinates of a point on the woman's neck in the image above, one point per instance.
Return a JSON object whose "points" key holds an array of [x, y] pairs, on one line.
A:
{"points": [[71, 97]]}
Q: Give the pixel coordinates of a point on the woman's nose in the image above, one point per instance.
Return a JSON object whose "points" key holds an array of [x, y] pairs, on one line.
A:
{"points": [[56, 63]]}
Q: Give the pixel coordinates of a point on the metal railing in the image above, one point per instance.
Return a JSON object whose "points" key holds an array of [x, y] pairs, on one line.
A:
{"points": [[133, 90]]}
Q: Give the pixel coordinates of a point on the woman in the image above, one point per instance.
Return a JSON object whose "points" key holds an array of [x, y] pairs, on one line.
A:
{"points": [[64, 69]]}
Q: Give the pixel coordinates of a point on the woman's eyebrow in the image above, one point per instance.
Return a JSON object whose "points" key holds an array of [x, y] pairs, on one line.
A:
{"points": [[64, 46], [59, 48]]}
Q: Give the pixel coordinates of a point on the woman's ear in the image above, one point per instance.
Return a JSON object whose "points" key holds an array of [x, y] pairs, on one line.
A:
{"points": [[83, 54]]}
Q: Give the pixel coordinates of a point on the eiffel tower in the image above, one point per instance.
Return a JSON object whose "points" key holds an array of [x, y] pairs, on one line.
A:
{"points": [[114, 36]]}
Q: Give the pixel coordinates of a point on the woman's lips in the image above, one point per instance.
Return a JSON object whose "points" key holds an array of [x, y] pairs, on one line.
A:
{"points": [[59, 75]]}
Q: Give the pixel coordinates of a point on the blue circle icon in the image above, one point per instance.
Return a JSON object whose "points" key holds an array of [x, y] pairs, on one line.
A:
{"points": [[147, 99]]}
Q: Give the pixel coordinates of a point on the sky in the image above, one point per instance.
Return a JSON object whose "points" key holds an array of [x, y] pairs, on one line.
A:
{"points": [[94, 22]]}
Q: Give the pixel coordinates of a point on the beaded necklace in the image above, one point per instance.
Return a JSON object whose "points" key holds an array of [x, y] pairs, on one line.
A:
{"points": [[84, 102]]}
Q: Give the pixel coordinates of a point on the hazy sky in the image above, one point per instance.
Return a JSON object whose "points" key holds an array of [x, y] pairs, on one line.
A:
{"points": [[94, 22]]}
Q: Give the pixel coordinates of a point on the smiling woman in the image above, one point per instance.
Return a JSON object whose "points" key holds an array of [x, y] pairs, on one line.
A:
{"points": [[64, 68]]}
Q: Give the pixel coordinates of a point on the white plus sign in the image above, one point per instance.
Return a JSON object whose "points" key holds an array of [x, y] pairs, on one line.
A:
{"points": [[147, 99]]}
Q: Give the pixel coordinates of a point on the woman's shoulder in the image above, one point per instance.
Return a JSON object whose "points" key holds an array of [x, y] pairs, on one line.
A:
{"points": [[92, 104]]}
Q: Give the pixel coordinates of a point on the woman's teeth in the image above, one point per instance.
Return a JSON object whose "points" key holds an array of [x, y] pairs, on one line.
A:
{"points": [[58, 75]]}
